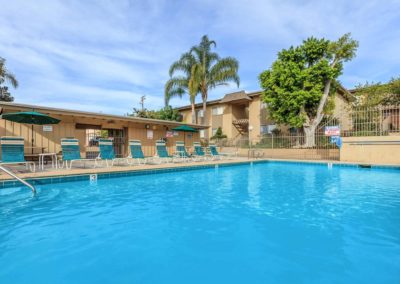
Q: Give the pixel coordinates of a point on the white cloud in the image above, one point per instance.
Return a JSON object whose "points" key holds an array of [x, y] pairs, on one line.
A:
{"points": [[104, 55]]}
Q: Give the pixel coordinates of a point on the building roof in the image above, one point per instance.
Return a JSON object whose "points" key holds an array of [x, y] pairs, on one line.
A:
{"points": [[60, 111], [237, 96], [212, 102], [242, 95]]}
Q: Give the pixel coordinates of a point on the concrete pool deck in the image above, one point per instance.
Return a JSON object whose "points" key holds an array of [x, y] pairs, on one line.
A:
{"points": [[89, 169]]}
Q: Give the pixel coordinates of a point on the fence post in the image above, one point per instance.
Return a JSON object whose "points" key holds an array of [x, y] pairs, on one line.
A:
{"points": [[272, 143]]}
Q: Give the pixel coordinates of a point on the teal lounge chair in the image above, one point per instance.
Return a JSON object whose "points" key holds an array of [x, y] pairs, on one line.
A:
{"points": [[162, 153], [214, 152], [198, 151], [71, 152], [137, 155], [218, 156], [12, 152], [180, 151], [107, 152]]}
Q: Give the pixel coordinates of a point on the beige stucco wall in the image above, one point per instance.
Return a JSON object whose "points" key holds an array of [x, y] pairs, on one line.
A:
{"points": [[66, 128], [342, 110], [371, 149], [187, 118], [255, 118]]}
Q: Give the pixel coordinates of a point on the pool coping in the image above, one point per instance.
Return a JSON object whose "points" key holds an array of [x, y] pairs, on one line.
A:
{"points": [[106, 173]]}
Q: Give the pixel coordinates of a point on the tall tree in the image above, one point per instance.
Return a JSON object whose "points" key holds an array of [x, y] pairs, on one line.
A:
{"points": [[6, 76], [298, 85], [212, 71], [199, 71], [374, 94], [183, 79]]}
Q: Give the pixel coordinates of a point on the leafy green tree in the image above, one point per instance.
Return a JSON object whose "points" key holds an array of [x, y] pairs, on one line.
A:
{"points": [[218, 134], [374, 94], [298, 85], [169, 113], [5, 95], [166, 113], [143, 113], [6, 76], [199, 71]]}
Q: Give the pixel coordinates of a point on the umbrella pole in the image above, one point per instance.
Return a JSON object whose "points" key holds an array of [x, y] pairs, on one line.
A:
{"points": [[32, 140]]}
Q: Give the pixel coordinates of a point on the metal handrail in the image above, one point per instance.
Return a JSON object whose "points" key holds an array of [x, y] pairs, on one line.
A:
{"points": [[19, 179]]}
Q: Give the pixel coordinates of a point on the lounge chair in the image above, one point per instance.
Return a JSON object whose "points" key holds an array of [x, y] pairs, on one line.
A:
{"points": [[198, 151], [107, 152], [135, 147], [216, 155], [12, 152], [71, 152], [162, 153], [180, 152]]}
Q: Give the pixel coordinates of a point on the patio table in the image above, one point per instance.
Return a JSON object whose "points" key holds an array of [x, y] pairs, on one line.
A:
{"points": [[53, 157]]}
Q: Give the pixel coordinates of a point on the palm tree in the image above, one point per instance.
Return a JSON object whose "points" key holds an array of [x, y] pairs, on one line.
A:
{"points": [[202, 70], [6, 76], [214, 71], [183, 79]]}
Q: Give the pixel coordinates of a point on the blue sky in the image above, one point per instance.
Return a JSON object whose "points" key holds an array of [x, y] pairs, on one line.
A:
{"points": [[104, 55]]}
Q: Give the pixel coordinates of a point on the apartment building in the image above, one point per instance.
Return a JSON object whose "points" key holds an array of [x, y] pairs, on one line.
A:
{"points": [[244, 115]]}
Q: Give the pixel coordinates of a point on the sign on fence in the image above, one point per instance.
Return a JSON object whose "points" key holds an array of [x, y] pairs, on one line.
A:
{"points": [[332, 130], [47, 128]]}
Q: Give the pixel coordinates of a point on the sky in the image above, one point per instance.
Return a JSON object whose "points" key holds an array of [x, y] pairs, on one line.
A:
{"points": [[102, 56]]}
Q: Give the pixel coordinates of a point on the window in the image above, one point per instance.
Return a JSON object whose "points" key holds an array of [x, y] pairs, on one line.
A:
{"points": [[200, 113], [202, 133], [267, 129], [218, 110], [214, 130]]}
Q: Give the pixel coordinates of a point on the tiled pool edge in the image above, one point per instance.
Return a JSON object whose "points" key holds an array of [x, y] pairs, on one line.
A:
{"points": [[106, 175], [134, 172]]}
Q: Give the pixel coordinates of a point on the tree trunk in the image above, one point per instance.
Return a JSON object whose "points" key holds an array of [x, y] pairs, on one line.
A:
{"points": [[193, 114], [309, 136], [311, 125], [205, 119]]}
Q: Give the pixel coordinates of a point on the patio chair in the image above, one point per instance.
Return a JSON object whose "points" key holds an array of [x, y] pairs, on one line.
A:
{"points": [[107, 152], [136, 154], [162, 153], [12, 152], [71, 153], [218, 156], [180, 151], [198, 151]]}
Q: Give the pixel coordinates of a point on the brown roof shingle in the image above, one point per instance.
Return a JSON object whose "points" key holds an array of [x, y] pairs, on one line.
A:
{"points": [[235, 97]]}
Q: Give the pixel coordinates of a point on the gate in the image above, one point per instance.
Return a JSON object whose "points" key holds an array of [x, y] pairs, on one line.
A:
{"points": [[92, 141]]}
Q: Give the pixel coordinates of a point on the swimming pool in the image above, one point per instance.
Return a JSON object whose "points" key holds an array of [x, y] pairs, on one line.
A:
{"points": [[261, 223]]}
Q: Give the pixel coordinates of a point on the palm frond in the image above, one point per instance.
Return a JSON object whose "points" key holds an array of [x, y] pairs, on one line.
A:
{"points": [[11, 79], [183, 64], [225, 70], [175, 87], [5, 75]]}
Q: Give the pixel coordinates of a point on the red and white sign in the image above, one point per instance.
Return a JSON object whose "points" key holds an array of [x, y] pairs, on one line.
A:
{"points": [[332, 130]]}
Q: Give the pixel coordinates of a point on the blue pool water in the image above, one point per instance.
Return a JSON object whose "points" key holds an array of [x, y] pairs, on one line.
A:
{"points": [[265, 223]]}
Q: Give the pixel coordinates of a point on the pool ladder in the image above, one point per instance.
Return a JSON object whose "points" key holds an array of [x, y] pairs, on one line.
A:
{"points": [[7, 171]]}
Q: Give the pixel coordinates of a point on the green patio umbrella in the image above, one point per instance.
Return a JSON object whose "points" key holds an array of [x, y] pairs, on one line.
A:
{"points": [[184, 128], [30, 117]]}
